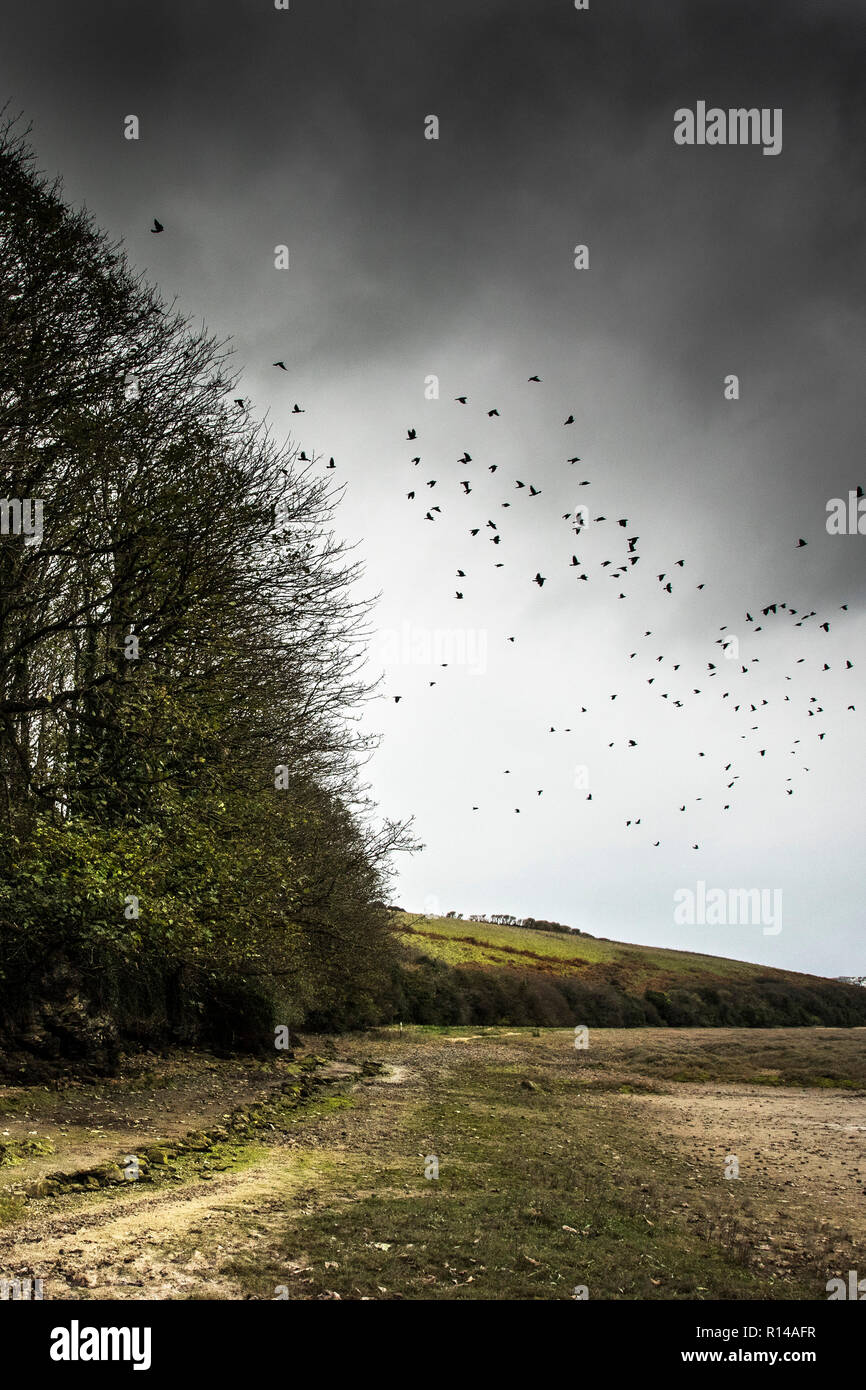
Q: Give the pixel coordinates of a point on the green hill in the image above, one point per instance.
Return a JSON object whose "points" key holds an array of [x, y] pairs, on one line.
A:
{"points": [[455, 971]]}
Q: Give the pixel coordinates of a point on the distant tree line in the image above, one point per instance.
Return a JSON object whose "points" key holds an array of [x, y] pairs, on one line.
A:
{"points": [[504, 919]]}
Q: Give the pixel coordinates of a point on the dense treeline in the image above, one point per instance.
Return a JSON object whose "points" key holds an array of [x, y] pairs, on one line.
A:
{"points": [[424, 990], [185, 850]]}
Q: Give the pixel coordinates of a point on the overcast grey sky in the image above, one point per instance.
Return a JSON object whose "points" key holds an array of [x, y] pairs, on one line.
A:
{"points": [[412, 257]]}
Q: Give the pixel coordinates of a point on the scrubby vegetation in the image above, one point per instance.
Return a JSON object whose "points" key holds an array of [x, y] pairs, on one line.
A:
{"points": [[450, 974]]}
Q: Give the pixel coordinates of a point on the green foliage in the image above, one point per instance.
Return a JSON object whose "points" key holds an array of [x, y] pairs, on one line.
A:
{"points": [[471, 972], [187, 624]]}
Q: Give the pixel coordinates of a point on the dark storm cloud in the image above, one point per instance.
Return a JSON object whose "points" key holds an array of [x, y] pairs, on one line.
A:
{"points": [[556, 127], [551, 119]]}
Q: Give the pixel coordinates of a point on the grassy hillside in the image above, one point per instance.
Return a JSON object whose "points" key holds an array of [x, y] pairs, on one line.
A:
{"points": [[480, 972], [484, 943]]}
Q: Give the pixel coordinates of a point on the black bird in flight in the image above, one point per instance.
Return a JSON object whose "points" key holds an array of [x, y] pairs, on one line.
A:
{"points": [[458, 594], [534, 491], [330, 464], [463, 483], [411, 434], [157, 226], [533, 378], [461, 399], [539, 580], [800, 543], [280, 364], [239, 404], [493, 412], [296, 409], [569, 421]]}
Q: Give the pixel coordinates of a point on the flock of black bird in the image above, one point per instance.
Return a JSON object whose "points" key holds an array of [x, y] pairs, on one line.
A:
{"points": [[776, 610], [748, 705]]}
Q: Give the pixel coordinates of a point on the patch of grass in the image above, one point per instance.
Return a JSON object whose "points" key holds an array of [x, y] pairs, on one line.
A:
{"points": [[12, 1209], [15, 1152]]}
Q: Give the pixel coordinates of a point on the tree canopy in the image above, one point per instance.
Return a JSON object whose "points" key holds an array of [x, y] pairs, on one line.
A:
{"points": [[183, 822]]}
